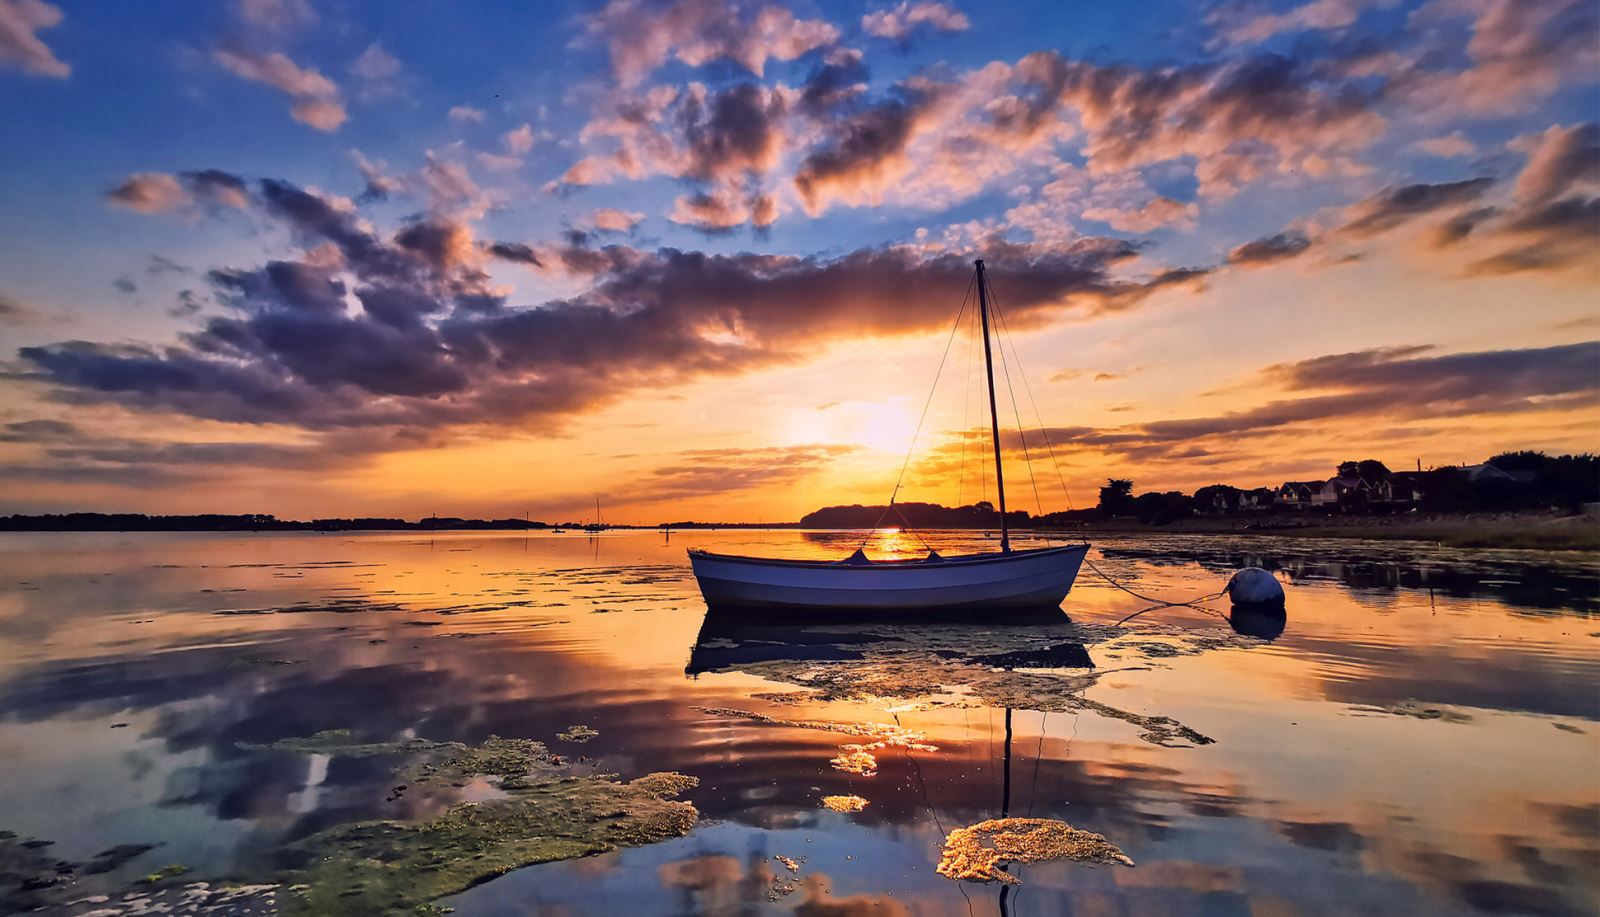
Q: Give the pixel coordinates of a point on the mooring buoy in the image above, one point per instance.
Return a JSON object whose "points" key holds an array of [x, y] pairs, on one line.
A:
{"points": [[1256, 588]]}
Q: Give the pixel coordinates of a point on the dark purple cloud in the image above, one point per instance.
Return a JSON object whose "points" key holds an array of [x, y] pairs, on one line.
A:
{"points": [[1399, 383], [1393, 207], [405, 330], [1270, 249]]}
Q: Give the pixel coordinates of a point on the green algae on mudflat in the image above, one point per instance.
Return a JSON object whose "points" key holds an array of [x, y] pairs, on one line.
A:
{"points": [[393, 867], [171, 871], [388, 867], [339, 743]]}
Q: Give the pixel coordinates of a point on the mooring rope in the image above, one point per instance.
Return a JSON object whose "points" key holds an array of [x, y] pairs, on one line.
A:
{"points": [[1197, 603]]}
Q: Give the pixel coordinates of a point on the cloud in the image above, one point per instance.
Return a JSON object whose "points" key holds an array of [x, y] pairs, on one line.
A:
{"points": [[929, 141], [1519, 52], [38, 431], [898, 23], [1238, 23], [378, 73], [450, 188], [1158, 212], [315, 97], [706, 472], [1407, 382], [497, 163], [520, 140], [1548, 237], [1447, 147], [150, 192], [1270, 249], [838, 78], [1549, 224], [1397, 384], [722, 210], [407, 331], [17, 314], [20, 46], [1559, 159], [375, 64], [466, 114], [218, 187], [158, 192], [277, 14], [515, 252], [1461, 225], [379, 184], [641, 34], [1395, 206], [610, 219], [721, 141], [864, 154]]}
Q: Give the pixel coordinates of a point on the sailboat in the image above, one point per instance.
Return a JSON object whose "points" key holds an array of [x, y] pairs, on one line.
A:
{"points": [[598, 525], [935, 584]]}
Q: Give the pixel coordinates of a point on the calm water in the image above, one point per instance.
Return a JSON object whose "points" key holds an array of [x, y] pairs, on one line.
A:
{"points": [[1422, 737]]}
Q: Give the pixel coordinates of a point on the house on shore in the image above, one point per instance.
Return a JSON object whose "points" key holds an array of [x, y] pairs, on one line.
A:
{"points": [[1343, 491], [1258, 498], [1296, 494], [1401, 488], [1487, 472]]}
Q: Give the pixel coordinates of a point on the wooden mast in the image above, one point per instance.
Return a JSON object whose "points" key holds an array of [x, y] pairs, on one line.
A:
{"points": [[994, 413]]}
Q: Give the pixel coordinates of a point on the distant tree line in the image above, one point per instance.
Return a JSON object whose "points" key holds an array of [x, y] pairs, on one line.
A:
{"points": [[245, 522], [1510, 481], [917, 515]]}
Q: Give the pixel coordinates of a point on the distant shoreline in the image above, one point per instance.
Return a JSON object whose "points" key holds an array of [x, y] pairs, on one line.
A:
{"points": [[1526, 530]]}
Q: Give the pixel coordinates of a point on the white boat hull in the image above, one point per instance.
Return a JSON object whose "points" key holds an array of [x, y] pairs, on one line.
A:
{"points": [[1039, 578]]}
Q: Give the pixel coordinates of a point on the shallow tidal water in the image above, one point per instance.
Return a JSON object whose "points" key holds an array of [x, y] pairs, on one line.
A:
{"points": [[1419, 735]]}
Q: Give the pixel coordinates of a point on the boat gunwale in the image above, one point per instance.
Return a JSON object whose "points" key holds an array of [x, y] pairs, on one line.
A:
{"points": [[965, 560]]}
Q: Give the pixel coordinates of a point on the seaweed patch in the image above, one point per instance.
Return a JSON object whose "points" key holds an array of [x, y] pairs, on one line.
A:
{"points": [[546, 814], [855, 759], [980, 852]]}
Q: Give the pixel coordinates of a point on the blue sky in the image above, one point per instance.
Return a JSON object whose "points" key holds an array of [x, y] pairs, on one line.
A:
{"points": [[1406, 168]]}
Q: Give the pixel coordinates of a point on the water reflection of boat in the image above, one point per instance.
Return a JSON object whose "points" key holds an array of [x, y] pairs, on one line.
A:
{"points": [[1012, 639], [1034, 578]]}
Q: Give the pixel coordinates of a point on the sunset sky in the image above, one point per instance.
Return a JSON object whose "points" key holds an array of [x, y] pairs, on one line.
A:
{"points": [[702, 258]]}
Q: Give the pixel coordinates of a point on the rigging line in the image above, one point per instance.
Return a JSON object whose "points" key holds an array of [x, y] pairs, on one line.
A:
{"points": [[934, 388], [966, 412], [911, 450], [912, 529], [920, 781], [928, 804], [994, 304], [1067, 757], [1033, 791], [1005, 367]]}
